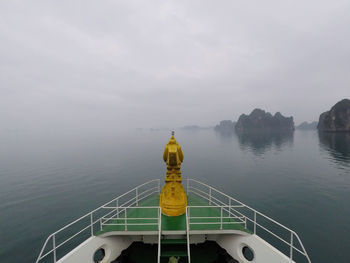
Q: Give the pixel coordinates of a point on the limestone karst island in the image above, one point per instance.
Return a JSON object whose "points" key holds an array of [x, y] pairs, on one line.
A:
{"points": [[337, 119]]}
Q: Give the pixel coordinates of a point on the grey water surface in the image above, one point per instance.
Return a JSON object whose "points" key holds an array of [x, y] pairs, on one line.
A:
{"points": [[301, 180]]}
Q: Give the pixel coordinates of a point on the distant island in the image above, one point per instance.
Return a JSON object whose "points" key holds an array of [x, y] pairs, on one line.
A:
{"points": [[195, 127], [337, 119], [259, 120], [225, 126], [307, 126]]}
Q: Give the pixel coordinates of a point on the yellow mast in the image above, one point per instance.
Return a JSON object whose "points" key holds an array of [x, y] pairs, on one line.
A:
{"points": [[173, 199]]}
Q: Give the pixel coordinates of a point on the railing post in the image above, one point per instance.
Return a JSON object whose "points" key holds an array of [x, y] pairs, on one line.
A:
{"points": [[187, 185], [188, 234], [117, 203], [221, 219], [159, 218], [101, 224], [229, 207], [125, 221], [158, 186], [91, 224], [254, 222], [291, 245], [54, 247], [159, 232], [137, 196], [209, 196]]}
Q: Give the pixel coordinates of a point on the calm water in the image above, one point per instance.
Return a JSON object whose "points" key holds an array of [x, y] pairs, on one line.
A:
{"points": [[301, 180]]}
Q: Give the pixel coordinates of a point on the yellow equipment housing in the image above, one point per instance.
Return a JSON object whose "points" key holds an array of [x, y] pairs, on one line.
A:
{"points": [[173, 199]]}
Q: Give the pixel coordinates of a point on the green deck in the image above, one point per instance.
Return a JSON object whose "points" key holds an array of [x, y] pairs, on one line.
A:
{"points": [[177, 223]]}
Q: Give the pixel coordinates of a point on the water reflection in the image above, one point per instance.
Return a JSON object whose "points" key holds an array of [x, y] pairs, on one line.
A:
{"points": [[337, 145], [260, 142], [225, 135]]}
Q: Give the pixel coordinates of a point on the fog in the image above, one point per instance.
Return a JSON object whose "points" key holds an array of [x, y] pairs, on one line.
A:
{"points": [[73, 65]]}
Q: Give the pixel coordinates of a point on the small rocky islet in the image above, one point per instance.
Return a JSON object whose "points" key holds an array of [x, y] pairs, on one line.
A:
{"points": [[307, 126], [225, 126]]}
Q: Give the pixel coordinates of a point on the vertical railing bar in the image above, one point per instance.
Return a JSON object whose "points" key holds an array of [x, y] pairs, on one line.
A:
{"points": [[229, 206], [221, 219], [254, 222], [291, 246], [159, 231], [117, 203], [210, 196], [91, 224], [188, 234], [137, 196], [54, 247], [125, 221], [101, 224]]}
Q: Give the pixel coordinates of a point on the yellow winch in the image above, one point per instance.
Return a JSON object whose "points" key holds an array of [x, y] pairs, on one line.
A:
{"points": [[173, 199]]}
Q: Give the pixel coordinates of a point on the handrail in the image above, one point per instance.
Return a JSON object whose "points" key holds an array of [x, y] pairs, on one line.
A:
{"points": [[138, 197], [209, 196], [127, 219]]}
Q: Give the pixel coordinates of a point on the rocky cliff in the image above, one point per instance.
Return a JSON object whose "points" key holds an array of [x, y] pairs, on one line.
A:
{"points": [[337, 119], [259, 120]]}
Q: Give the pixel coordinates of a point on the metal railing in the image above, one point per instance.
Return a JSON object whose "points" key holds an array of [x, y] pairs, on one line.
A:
{"points": [[121, 218], [240, 212], [231, 211], [226, 216], [118, 207]]}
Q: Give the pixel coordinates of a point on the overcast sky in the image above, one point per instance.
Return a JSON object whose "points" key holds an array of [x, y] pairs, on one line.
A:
{"points": [[165, 63]]}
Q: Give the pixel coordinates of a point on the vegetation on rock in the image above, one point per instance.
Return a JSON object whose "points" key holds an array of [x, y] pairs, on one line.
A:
{"points": [[337, 119], [259, 120]]}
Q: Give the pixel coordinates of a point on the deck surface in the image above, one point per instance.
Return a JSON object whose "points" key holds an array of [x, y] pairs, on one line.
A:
{"points": [[178, 223]]}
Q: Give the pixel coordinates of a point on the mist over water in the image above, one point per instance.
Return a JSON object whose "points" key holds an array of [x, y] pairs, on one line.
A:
{"points": [[301, 180]]}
